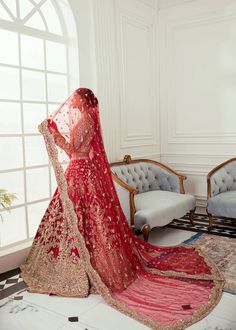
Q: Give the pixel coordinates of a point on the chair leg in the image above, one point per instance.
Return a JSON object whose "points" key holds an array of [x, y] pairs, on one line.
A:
{"points": [[210, 221], [146, 230], [191, 214]]}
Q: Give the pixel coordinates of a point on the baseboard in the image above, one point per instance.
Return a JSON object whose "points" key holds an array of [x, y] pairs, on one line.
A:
{"points": [[13, 260]]}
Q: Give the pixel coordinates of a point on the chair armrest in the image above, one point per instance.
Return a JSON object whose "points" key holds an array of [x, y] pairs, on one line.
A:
{"points": [[209, 192], [125, 192], [181, 183]]}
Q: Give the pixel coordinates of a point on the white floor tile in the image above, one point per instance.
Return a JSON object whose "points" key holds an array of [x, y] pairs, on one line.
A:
{"points": [[78, 326], [20, 315], [226, 309], [104, 317], [213, 322], [63, 305], [169, 236]]}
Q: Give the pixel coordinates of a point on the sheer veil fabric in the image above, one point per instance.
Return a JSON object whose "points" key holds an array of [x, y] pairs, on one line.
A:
{"points": [[84, 244]]}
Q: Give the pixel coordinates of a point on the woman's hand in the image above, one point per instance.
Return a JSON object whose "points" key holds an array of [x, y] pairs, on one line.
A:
{"points": [[52, 126]]}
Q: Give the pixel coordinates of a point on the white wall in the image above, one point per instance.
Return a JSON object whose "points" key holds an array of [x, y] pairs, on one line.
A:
{"points": [[119, 60], [197, 87]]}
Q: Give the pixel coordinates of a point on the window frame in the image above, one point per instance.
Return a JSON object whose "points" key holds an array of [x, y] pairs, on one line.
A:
{"points": [[71, 45]]}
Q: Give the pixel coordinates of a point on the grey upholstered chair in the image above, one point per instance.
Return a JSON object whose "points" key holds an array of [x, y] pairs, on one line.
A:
{"points": [[151, 194], [221, 191]]}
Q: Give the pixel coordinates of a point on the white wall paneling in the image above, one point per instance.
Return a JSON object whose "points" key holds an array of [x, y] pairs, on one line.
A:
{"points": [[171, 3], [197, 78], [151, 3], [118, 59], [138, 72], [106, 66], [126, 62]]}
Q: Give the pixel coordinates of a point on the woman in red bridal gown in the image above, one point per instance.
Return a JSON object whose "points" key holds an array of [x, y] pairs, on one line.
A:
{"points": [[84, 243]]}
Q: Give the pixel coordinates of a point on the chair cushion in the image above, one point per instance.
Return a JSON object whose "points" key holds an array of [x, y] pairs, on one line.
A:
{"points": [[223, 205], [158, 208]]}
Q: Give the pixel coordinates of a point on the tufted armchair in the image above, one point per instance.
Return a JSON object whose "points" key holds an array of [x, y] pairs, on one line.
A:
{"points": [[151, 194], [221, 191]]}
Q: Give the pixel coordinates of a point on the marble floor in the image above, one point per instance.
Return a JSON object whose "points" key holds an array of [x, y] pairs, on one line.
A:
{"points": [[29, 311]]}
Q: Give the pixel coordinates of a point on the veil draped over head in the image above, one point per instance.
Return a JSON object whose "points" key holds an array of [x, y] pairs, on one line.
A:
{"points": [[165, 287]]}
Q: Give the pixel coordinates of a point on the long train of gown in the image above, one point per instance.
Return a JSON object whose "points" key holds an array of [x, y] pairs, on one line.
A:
{"points": [[84, 244]]}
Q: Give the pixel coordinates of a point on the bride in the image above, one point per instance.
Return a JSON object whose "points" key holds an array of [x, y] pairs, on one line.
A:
{"points": [[84, 244]]}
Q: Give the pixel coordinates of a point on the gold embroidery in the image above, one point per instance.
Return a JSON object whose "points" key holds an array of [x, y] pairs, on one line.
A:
{"points": [[83, 266]]}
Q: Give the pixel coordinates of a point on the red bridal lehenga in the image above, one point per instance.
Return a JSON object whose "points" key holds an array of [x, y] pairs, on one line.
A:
{"points": [[84, 243]]}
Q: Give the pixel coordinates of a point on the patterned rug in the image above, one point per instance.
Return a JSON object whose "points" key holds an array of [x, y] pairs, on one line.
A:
{"points": [[221, 226], [222, 250]]}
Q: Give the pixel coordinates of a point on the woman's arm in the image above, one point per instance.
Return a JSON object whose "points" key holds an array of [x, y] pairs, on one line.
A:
{"points": [[59, 140]]}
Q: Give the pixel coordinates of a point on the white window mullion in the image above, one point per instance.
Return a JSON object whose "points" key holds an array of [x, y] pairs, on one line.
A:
{"points": [[27, 203], [32, 69], [46, 95], [22, 168], [23, 139], [19, 135], [18, 27], [31, 13], [68, 70], [60, 16], [30, 101]]}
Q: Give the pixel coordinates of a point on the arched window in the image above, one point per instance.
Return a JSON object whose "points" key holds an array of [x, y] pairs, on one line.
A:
{"points": [[37, 72]]}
